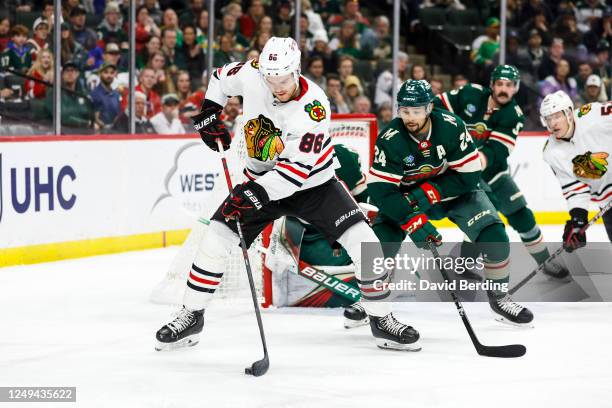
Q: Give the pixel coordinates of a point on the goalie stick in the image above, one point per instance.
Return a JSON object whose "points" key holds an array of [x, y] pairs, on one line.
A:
{"points": [[259, 367], [507, 351], [559, 251]]}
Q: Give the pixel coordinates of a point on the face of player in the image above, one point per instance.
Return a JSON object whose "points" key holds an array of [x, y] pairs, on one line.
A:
{"points": [[282, 87], [558, 124], [503, 90], [414, 118]]}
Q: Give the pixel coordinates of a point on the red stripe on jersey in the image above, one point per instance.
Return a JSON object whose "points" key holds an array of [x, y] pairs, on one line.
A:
{"points": [[322, 158], [602, 198], [445, 102], [502, 138], [575, 189], [204, 281], [293, 170], [469, 159], [391, 179], [249, 176]]}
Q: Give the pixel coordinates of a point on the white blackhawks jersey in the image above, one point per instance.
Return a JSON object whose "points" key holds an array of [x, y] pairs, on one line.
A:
{"points": [[581, 164], [288, 144]]}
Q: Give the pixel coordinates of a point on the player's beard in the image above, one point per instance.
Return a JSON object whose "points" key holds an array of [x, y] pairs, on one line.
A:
{"points": [[415, 129]]}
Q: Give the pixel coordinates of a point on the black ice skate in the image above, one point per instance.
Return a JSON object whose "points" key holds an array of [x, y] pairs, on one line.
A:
{"points": [[556, 269], [508, 311], [183, 331], [392, 334], [355, 316]]}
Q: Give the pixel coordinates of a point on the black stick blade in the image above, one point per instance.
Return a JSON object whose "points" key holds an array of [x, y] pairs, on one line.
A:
{"points": [[509, 351], [259, 368]]}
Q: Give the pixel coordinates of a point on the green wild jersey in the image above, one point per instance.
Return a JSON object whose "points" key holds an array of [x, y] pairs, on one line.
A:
{"points": [[495, 134], [447, 159], [350, 172], [10, 59]]}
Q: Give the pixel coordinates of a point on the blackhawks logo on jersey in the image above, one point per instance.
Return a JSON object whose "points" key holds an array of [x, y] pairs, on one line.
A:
{"points": [[316, 111], [263, 139], [584, 109], [590, 165], [255, 63]]}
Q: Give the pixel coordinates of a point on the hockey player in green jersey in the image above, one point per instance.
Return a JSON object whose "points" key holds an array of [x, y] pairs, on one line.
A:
{"points": [[494, 121], [426, 166]]}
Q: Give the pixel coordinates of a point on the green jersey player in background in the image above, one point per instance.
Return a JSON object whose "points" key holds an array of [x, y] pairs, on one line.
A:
{"points": [[494, 121], [427, 167]]}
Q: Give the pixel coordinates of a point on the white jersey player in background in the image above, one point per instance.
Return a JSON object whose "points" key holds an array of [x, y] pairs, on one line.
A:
{"points": [[290, 168], [578, 152]]}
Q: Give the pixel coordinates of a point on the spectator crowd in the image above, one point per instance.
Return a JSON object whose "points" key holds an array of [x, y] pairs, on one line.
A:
{"points": [[345, 44]]}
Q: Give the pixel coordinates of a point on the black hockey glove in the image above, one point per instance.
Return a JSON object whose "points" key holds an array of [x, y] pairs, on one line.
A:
{"points": [[210, 126], [573, 237], [246, 198]]}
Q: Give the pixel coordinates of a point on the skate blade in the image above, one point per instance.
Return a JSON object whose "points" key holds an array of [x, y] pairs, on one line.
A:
{"points": [[503, 320], [351, 324], [188, 341], [393, 345]]}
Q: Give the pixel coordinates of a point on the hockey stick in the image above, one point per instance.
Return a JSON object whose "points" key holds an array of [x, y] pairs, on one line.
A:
{"points": [[511, 350], [259, 367], [559, 251]]}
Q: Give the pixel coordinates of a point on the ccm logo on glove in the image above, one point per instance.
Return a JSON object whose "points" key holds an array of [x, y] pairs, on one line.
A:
{"points": [[415, 223]]}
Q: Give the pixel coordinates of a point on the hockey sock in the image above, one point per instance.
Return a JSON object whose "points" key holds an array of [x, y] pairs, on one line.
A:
{"points": [[208, 266], [372, 290], [523, 221], [493, 243], [468, 248]]}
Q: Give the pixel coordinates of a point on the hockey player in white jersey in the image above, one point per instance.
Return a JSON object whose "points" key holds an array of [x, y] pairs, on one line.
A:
{"points": [[290, 171], [578, 152]]}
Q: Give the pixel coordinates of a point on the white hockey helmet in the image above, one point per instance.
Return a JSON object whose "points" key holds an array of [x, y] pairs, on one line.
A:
{"points": [[280, 56], [556, 102]]}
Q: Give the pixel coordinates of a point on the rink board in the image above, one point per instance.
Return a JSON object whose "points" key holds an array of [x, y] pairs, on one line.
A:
{"points": [[71, 196]]}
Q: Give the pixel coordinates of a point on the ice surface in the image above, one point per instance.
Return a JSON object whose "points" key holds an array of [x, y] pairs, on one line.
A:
{"points": [[87, 323]]}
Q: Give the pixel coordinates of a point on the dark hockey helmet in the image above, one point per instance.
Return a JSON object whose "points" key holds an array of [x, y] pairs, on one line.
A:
{"points": [[414, 93], [507, 72]]}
